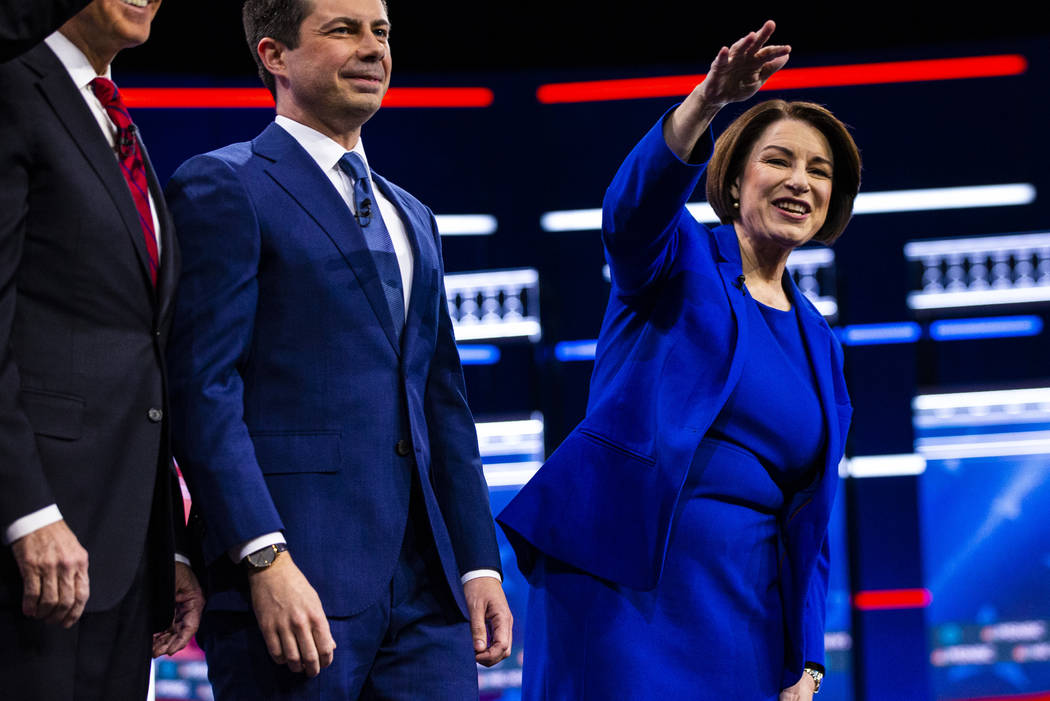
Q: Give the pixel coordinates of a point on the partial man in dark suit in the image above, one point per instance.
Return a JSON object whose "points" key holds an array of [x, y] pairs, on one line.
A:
{"points": [[89, 505], [25, 23], [320, 412]]}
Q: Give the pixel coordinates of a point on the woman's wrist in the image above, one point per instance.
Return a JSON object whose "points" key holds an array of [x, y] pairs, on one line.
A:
{"points": [[816, 676]]}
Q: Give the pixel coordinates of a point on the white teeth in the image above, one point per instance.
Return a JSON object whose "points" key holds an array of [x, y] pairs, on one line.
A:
{"points": [[136, 3], [792, 207]]}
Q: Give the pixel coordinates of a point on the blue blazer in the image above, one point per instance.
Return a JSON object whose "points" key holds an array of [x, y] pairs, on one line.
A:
{"points": [[670, 352], [296, 409]]}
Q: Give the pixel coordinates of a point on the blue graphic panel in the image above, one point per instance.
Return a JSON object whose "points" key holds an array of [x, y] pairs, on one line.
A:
{"points": [[986, 548]]}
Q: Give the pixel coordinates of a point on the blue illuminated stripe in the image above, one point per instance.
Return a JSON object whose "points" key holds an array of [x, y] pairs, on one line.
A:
{"points": [[875, 334], [568, 351], [514, 459], [986, 327], [479, 355]]}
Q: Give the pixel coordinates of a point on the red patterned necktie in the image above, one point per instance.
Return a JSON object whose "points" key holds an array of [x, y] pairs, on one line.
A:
{"points": [[131, 163]]}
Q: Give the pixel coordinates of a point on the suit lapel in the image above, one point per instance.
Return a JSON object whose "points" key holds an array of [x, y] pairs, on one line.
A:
{"points": [[297, 173], [730, 269], [817, 337], [168, 272], [76, 117], [425, 265]]}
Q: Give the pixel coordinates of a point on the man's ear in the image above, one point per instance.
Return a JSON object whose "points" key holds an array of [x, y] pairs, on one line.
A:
{"points": [[271, 52]]}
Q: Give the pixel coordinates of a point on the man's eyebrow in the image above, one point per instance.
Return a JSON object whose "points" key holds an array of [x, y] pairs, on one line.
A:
{"points": [[356, 22]]}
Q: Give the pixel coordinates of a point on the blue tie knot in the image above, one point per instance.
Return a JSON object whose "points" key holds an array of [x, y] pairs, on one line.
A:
{"points": [[354, 166]]}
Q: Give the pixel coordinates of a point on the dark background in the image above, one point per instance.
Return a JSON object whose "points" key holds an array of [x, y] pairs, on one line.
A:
{"points": [[191, 36]]}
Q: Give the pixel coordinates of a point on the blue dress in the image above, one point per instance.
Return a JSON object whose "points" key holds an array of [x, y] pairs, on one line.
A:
{"points": [[588, 638]]}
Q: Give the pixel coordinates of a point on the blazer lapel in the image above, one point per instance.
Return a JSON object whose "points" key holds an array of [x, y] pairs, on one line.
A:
{"points": [[817, 337], [76, 117], [730, 269], [425, 264], [168, 272], [293, 169]]}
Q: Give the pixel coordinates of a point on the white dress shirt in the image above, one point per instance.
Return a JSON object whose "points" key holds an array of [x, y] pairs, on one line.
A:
{"points": [[327, 153], [82, 73]]}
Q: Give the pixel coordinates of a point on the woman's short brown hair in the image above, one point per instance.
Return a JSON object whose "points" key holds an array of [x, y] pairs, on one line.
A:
{"points": [[735, 143]]}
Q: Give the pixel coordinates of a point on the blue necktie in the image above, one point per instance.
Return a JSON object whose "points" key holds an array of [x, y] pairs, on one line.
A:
{"points": [[377, 237]]}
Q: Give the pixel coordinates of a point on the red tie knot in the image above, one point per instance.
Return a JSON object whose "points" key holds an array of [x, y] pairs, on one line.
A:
{"points": [[109, 96]]}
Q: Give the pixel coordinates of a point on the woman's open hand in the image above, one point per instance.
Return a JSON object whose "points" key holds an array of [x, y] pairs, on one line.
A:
{"points": [[736, 74], [738, 71]]}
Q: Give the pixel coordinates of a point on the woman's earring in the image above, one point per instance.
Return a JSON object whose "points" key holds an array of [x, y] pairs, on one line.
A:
{"points": [[736, 204]]}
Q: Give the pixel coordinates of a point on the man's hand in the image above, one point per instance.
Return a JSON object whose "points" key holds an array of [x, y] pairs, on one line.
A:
{"points": [[290, 616], [54, 569], [189, 605], [801, 691], [490, 619]]}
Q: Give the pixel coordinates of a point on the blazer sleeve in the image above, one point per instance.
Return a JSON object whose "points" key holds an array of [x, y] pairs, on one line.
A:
{"points": [[458, 478], [23, 485], [219, 236], [25, 23], [643, 206], [816, 608]]}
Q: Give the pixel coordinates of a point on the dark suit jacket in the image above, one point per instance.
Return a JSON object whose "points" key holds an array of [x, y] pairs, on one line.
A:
{"points": [[669, 354], [295, 407], [83, 420], [25, 23]]}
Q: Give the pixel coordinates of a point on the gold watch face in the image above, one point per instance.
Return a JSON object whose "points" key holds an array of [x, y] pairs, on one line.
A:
{"points": [[261, 559]]}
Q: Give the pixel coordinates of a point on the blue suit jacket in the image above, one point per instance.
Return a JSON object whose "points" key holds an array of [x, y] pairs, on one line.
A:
{"points": [[295, 407], [669, 354]]}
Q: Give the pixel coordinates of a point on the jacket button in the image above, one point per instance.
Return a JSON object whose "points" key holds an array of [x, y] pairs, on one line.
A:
{"points": [[402, 448], [155, 415]]}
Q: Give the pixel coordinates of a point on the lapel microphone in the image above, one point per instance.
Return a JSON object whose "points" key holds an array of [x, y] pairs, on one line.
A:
{"points": [[363, 214], [740, 285], [125, 140]]}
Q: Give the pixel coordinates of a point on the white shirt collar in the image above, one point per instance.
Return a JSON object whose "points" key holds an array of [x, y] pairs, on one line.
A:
{"points": [[76, 63], [321, 148]]}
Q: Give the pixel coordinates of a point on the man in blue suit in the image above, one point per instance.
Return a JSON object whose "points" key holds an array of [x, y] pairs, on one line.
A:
{"points": [[321, 415]]}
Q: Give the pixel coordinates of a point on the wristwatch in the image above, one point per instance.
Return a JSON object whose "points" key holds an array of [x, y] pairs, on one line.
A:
{"points": [[817, 676], [264, 557]]}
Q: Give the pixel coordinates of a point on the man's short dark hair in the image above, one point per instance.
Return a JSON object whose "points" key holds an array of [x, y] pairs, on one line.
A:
{"points": [[277, 19]]}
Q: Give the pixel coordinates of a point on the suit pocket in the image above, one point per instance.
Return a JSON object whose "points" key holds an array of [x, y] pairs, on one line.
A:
{"points": [[291, 452], [612, 445], [54, 415]]}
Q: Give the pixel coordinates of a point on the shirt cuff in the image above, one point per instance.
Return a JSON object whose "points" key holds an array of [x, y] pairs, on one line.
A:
{"points": [[179, 557], [474, 574], [32, 522], [239, 552]]}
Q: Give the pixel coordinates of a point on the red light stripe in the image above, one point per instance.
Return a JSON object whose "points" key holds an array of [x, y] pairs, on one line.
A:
{"points": [[438, 97], [1038, 696], [196, 97], [793, 78], [259, 98], [883, 599]]}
